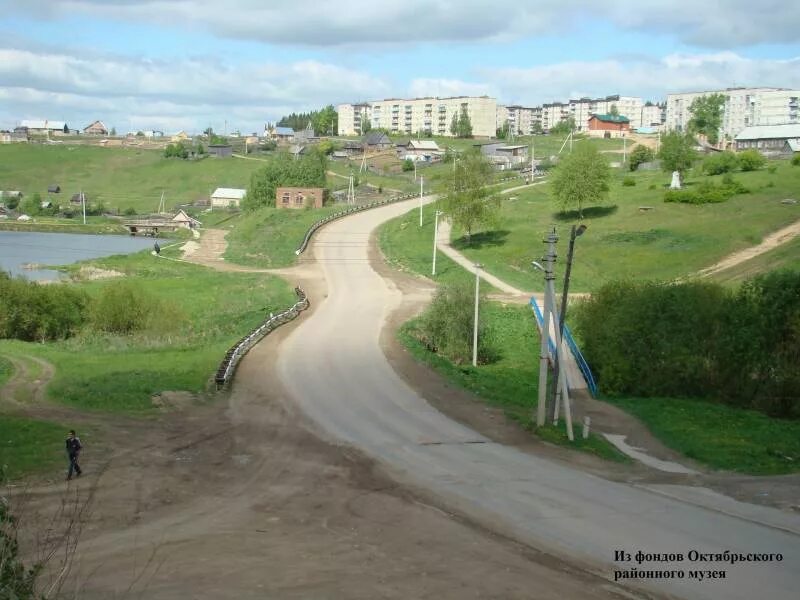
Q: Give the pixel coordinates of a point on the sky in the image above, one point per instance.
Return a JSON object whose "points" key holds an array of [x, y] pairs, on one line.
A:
{"points": [[238, 64]]}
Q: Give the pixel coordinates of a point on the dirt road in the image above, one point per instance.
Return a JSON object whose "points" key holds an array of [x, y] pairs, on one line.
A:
{"points": [[333, 368]]}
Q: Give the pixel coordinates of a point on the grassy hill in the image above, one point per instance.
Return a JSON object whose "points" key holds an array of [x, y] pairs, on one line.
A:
{"points": [[119, 177]]}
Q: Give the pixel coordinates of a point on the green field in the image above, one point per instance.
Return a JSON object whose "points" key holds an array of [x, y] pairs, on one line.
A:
{"points": [[120, 178], [6, 370], [29, 446], [622, 241], [121, 373], [722, 437], [511, 382], [785, 256]]}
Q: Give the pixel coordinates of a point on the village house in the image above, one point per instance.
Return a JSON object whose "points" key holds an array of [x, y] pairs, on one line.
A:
{"points": [[184, 220], [227, 197], [305, 136], [280, 134], [775, 141], [376, 141], [43, 127], [220, 150], [54, 189], [296, 197], [181, 136], [608, 125], [96, 128], [13, 137], [425, 150]]}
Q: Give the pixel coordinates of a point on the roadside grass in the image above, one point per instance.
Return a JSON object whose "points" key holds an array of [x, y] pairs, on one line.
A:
{"points": [[622, 241], [510, 383], [94, 225], [29, 446], [720, 436], [785, 256], [120, 178], [6, 370], [268, 237], [122, 373]]}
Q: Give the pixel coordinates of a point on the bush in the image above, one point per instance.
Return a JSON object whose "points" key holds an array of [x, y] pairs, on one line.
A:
{"points": [[408, 165], [723, 162], [33, 312], [796, 160], [772, 169], [176, 151], [652, 186], [698, 340], [751, 160], [706, 192], [628, 182], [640, 154], [447, 326], [123, 308], [130, 211]]}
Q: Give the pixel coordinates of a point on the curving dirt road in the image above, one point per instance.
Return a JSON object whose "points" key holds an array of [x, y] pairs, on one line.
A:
{"points": [[333, 368]]}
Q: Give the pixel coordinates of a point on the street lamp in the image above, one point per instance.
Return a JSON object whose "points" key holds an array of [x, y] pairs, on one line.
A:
{"points": [[420, 200], [575, 233], [437, 214], [475, 329]]}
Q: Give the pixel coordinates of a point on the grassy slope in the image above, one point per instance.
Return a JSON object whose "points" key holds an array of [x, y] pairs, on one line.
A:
{"points": [[28, 445], [720, 436], [667, 242], [119, 177], [6, 370], [509, 383], [122, 373], [786, 256]]}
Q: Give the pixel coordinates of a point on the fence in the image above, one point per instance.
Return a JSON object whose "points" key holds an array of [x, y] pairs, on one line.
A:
{"points": [[571, 344], [228, 365]]}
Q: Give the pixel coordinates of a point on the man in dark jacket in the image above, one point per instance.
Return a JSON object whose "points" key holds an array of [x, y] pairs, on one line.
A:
{"points": [[73, 451]]}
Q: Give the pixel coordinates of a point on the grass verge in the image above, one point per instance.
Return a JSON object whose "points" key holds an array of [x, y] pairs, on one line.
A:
{"points": [[29, 446], [6, 370], [722, 437], [510, 383]]}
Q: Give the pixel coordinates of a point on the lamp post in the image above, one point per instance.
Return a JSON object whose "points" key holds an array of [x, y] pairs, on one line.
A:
{"points": [[420, 200], [475, 327], [574, 233], [437, 214], [548, 259]]}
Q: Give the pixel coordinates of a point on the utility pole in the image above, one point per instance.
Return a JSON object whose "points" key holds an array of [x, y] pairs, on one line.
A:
{"points": [[351, 191], [624, 149], [548, 260], [83, 203], [437, 214], [475, 327], [420, 201]]}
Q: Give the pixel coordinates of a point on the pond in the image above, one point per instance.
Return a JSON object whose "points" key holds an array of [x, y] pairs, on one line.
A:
{"points": [[20, 251]]}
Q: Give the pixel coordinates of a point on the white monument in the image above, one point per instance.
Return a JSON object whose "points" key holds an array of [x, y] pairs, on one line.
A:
{"points": [[676, 181]]}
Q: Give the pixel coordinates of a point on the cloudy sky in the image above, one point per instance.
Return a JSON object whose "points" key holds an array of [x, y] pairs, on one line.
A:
{"points": [[188, 64]]}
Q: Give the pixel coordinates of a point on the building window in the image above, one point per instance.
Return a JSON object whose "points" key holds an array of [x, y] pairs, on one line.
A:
{"points": [[285, 198], [299, 198]]}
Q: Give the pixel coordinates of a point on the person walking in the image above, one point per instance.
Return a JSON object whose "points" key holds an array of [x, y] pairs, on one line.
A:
{"points": [[73, 452]]}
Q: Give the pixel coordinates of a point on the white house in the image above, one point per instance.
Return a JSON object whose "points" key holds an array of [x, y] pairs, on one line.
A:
{"points": [[227, 197]]}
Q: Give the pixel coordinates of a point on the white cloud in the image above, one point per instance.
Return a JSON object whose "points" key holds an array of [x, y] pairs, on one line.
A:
{"points": [[449, 87], [709, 23], [190, 92]]}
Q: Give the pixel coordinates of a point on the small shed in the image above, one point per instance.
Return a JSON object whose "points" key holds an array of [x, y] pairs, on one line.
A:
{"points": [[183, 219], [376, 140], [45, 204], [220, 150], [770, 140], [282, 134], [54, 189], [296, 197], [79, 198], [227, 197]]}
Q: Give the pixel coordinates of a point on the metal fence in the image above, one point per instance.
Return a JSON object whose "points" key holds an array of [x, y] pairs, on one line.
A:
{"points": [[228, 365]]}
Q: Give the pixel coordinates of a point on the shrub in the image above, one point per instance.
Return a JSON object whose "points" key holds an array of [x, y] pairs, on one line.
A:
{"points": [[723, 162], [130, 211], [628, 182], [640, 154], [796, 160], [751, 160], [447, 326], [408, 165], [772, 169], [652, 186], [122, 308], [706, 192]]}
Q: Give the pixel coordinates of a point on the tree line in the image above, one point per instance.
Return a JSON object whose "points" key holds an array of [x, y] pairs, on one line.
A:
{"points": [[324, 121], [282, 169]]}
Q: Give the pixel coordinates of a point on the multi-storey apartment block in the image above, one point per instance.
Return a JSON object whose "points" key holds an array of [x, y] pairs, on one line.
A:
{"points": [[743, 107], [419, 115]]}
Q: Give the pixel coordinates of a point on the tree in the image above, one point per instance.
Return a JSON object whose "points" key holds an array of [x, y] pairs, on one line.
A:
{"points": [[200, 149], [464, 124], [502, 131], [536, 128], [366, 126], [468, 202], [640, 154], [751, 160], [613, 111], [677, 152], [454, 125], [208, 131], [140, 134], [408, 165], [282, 170], [113, 131], [581, 179], [707, 116], [565, 126]]}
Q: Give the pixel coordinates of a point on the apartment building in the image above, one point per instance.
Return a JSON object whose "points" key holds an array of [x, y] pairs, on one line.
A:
{"points": [[426, 115], [653, 115], [743, 107], [522, 120]]}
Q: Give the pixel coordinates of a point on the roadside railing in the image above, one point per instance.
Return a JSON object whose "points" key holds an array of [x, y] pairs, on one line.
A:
{"points": [[343, 213], [228, 365]]}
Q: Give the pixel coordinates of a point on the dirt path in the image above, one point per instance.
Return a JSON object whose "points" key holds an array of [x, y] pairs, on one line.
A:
{"points": [[27, 384], [772, 241]]}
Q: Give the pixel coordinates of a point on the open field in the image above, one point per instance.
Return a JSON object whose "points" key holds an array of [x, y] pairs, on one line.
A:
{"points": [[120, 178], [669, 241], [29, 446], [510, 382], [6, 369], [722, 437], [122, 373]]}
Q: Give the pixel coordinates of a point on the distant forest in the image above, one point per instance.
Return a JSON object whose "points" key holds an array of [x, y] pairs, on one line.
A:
{"points": [[324, 122]]}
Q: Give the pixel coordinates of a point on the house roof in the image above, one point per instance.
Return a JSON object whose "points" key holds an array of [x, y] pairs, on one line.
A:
{"points": [[611, 118], [794, 145], [376, 137], [284, 131], [182, 216], [45, 124], [100, 123], [509, 148], [423, 145], [232, 193], [770, 132]]}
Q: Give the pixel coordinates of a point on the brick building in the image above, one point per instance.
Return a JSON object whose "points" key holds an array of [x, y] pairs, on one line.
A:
{"points": [[295, 197]]}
